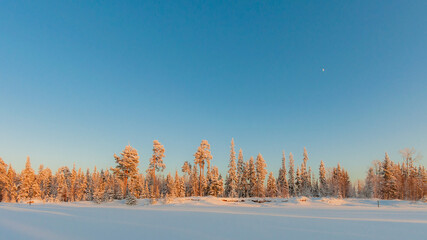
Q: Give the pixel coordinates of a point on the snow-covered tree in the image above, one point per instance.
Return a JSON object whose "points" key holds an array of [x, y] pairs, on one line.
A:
{"points": [[156, 164], [251, 178], [170, 186], [232, 180], [271, 186], [282, 182], [130, 199], [241, 184], [201, 157], [261, 173], [389, 186], [28, 189], [323, 186], [215, 185], [127, 165], [291, 181], [3, 179]]}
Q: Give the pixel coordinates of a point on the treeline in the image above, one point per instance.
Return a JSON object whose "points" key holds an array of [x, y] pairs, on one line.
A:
{"points": [[385, 179]]}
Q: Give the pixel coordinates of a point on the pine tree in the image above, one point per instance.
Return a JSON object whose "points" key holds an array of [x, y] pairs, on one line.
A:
{"points": [[232, 180], [291, 181], [271, 186], [156, 162], [127, 165], [202, 156]]}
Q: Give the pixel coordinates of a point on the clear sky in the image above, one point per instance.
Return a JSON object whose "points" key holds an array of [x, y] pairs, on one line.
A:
{"points": [[79, 80]]}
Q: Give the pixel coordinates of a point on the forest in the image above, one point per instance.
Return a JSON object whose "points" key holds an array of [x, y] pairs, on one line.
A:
{"points": [[384, 180]]}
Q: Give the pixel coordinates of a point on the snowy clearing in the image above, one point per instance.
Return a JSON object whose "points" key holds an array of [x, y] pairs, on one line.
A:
{"points": [[216, 218]]}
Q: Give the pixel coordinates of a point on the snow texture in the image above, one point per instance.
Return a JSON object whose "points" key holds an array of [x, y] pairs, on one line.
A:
{"points": [[217, 218]]}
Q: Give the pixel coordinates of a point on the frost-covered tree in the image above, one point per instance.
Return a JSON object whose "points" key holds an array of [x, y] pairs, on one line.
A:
{"points": [[201, 157], [127, 165], [170, 186], [156, 164], [282, 182], [241, 177], [215, 185], [3, 179], [298, 183], [271, 186], [291, 181], [28, 189], [251, 178], [389, 186], [261, 173], [323, 185], [305, 187], [232, 180], [10, 191], [130, 199]]}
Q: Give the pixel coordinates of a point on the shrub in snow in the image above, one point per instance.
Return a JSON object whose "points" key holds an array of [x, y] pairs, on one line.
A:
{"points": [[130, 199]]}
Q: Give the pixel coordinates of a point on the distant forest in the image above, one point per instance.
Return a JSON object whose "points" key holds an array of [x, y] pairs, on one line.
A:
{"points": [[384, 179]]}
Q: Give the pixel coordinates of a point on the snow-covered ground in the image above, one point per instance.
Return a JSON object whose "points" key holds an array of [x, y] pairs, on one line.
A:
{"points": [[213, 218]]}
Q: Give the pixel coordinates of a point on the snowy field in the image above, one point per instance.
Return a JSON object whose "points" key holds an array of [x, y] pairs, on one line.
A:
{"points": [[213, 218]]}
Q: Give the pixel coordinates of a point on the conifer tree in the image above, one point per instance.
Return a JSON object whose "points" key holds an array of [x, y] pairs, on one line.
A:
{"points": [[232, 180], [127, 165], [252, 179], [202, 156], [28, 189], [291, 181], [261, 173], [3, 179], [156, 163], [389, 187], [271, 186], [130, 199], [241, 185], [11, 189], [170, 186], [282, 182], [323, 187]]}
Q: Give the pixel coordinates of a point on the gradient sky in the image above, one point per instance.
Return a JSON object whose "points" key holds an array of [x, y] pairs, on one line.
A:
{"points": [[80, 80]]}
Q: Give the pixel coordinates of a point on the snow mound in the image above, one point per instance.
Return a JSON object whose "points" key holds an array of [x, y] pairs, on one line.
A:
{"points": [[333, 201]]}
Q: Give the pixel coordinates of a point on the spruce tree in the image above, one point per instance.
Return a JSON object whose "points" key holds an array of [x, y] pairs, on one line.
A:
{"points": [[232, 180], [282, 182], [271, 186], [291, 181], [389, 187], [261, 173], [252, 179], [323, 187], [241, 185]]}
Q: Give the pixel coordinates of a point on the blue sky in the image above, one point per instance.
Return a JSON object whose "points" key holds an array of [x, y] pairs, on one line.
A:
{"points": [[80, 80]]}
